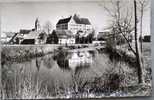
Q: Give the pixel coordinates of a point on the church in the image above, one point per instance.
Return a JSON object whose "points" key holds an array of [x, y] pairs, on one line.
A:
{"points": [[32, 36]]}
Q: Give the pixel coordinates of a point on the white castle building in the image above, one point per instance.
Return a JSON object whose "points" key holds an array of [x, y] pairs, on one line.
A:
{"points": [[75, 24]]}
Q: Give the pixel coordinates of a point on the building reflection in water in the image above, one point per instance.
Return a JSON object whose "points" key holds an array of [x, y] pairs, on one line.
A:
{"points": [[80, 59], [75, 60]]}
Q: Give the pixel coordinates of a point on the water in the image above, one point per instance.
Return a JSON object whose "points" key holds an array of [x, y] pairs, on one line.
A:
{"points": [[62, 73], [61, 69]]}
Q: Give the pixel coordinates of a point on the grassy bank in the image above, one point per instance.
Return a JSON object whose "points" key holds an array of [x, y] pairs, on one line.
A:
{"points": [[24, 53], [121, 55]]}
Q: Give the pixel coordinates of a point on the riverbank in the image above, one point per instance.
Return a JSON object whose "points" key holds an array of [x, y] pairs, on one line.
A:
{"points": [[126, 55], [24, 53], [47, 77], [21, 53], [119, 54]]}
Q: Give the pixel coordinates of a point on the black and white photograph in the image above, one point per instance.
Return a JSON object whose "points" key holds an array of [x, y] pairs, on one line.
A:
{"points": [[75, 49]]}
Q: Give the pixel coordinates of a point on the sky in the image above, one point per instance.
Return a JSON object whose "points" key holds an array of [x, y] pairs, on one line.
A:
{"points": [[16, 16]]}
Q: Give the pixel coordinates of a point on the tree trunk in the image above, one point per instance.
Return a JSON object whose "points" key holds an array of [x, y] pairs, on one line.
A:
{"points": [[141, 24], [138, 52]]}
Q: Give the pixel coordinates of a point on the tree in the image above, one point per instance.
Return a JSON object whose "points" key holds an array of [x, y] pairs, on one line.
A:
{"points": [[48, 27], [124, 24], [90, 37], [49, 39], [77, 38], [55, 37], [42, 37], [52, 38], [142, 5], [121, 20]]}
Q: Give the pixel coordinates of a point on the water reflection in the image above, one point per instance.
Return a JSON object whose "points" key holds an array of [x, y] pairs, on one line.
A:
{"points": [[74, 60], [46, 74], [48, 61]]}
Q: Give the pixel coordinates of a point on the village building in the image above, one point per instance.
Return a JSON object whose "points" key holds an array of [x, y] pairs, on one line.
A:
{"points": [[32, 36], [6, 37], [147, 38], [103, 35], [75, 24], [65, 37], [113, 38]]}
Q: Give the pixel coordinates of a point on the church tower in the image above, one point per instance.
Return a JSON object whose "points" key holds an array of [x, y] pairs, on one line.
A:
{"points": [[37, 25]]}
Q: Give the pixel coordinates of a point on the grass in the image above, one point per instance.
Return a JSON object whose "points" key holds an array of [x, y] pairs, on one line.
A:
{"points": [[24, 53], [116, 78]]}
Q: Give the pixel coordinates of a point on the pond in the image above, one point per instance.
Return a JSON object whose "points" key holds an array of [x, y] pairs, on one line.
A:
{"points": [[54, 75]]}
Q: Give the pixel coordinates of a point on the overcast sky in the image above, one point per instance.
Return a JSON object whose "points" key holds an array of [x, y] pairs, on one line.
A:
{"points": [[16, 16]]}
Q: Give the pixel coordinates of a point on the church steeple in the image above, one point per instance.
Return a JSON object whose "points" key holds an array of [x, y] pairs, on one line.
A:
{"points": [[37, 25]]}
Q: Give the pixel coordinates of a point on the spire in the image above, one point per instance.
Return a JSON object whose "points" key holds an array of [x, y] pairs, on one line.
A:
{"points": [[37, 24]]}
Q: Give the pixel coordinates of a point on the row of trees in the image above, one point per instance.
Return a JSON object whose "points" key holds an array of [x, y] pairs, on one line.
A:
{"points": [[124, 22], [53, 38]]}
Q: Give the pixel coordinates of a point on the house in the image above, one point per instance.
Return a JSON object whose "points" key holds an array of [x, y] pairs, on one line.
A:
{"points": [[31, 36], [6, 37], [103, 35], [114, 38], [147, 38], [65, 37], [75, 24]]}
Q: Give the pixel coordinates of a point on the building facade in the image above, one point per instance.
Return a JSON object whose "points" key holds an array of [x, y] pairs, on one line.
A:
{"points": [[65, 37], [75, 24]]}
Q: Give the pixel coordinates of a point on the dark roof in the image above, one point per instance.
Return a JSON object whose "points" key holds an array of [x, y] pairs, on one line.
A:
{"points": [[65, 20], [24, 31], [85, 21], [103, 34], [64, 33], [81, 20], [76, 18]]}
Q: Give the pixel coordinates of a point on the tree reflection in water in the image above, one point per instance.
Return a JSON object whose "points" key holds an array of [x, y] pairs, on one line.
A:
{"points": [[75, 61], [48, 61]]}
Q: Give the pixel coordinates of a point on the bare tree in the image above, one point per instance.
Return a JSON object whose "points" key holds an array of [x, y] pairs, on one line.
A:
{"points": [[48, 27], [124, 24], [142, 5], [122, 20]]}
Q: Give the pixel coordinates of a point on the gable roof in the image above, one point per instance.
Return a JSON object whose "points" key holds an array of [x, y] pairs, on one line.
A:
{"points": [[81, 20], [24, 31], [65, 20], [32, 35], [76, 18]]}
